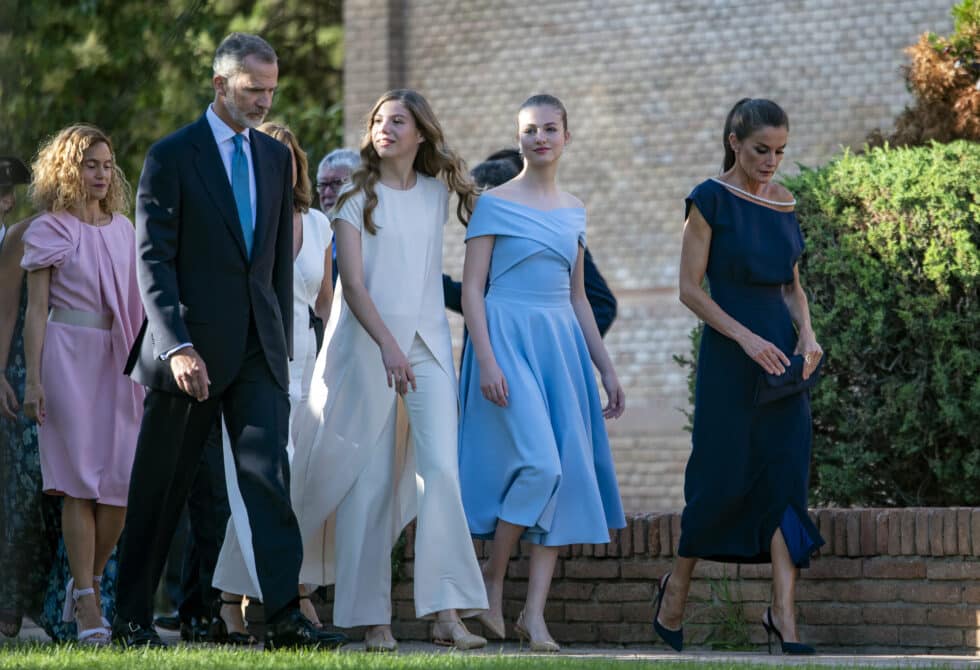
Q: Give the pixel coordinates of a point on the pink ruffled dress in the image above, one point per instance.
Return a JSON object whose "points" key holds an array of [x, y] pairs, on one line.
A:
{"points": [[88, 439]]}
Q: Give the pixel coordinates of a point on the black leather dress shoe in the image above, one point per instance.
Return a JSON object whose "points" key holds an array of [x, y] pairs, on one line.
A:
{"points": [[129, 634], [167, 622], [195, 630], [292, 630]]}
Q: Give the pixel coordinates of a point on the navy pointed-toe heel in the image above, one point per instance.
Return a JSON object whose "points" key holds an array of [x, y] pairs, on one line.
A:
{"points": [[788, 648], [673, 638]]}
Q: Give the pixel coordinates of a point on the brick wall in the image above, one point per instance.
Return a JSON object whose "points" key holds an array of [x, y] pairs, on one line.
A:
{"points": [[647, 84], [887, 580]]}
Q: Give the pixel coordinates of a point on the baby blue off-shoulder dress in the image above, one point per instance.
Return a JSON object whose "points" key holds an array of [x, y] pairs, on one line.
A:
{"points": [[544, 460]]}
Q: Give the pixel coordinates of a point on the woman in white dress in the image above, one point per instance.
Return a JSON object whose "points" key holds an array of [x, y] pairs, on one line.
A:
{"points": [[312, 289], [387, 349], [312, 268]]}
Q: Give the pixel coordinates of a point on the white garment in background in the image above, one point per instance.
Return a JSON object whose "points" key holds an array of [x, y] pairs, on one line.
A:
{"points": [[235, 571], [348, 459], [307, 278]]}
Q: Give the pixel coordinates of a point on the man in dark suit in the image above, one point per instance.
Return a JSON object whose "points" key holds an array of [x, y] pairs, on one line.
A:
{"points": [[214, 217]]}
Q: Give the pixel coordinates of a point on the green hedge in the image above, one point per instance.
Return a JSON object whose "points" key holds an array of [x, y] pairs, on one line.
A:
{"points": [[892, 270]]}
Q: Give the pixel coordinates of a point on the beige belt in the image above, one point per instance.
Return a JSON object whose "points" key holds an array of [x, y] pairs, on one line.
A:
{"points": [[74, 317]]}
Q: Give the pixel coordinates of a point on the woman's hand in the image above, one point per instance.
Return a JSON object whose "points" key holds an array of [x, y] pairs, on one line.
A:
{"points": [[765, 353], [812, 352], [399, 372], [614, 392], [8, 399], [34, 405], [493, 384]]}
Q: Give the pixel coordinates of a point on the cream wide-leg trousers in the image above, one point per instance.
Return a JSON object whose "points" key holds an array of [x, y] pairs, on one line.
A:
{"points": [[446, 573]]}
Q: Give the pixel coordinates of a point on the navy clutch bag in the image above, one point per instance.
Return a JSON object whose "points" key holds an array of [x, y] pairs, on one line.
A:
{"points": [[770, 388]]}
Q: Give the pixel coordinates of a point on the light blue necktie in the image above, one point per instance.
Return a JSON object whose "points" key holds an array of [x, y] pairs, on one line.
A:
{"points": [[240, 187]]}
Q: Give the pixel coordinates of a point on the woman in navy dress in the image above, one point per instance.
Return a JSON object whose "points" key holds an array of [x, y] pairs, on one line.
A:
{"points": [[534, 457], [746, 481]]}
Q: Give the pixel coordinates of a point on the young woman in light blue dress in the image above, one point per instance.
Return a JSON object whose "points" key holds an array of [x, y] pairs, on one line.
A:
{"points": [[534, 456]]}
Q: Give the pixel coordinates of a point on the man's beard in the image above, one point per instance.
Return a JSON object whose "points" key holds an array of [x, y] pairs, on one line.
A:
{"points": [[238, 116]]}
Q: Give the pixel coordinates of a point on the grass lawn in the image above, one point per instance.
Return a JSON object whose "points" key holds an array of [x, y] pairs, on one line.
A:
{"points": [[68, 657]]}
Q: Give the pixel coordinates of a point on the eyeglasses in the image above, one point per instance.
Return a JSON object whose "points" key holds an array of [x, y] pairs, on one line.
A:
{"points": [[333, 184]]}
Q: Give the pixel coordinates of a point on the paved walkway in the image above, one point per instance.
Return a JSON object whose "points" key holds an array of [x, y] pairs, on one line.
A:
{"points": [[653, 654]]}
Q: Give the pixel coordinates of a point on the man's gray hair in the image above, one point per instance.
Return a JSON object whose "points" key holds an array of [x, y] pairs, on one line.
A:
{"points": [[229, 57], [340, 158]]}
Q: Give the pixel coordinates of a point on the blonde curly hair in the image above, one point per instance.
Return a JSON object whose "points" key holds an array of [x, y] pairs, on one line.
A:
{"points": [[434, 159], [57, 172]]}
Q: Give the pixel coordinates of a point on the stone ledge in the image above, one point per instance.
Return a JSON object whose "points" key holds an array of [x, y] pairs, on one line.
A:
{"points": [[859, 532], [876, 585]]}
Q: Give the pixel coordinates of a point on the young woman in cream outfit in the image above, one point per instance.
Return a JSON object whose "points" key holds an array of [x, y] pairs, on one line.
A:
{"points": [[355, 483]]}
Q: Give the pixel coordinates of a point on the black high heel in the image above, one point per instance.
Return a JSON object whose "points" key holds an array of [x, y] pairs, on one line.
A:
{"points": [[789, 648], [219, 633], [673, 638]]}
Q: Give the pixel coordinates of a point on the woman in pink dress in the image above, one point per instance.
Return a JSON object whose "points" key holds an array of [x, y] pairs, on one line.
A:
{"points": [[83, 313]]}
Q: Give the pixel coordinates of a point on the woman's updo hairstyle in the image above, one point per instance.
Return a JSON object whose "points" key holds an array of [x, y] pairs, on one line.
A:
{"points": [[545, 100], [747, 116]]}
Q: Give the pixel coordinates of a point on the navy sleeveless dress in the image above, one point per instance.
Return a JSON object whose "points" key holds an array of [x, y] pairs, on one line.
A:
{"points": [[749, 467]]}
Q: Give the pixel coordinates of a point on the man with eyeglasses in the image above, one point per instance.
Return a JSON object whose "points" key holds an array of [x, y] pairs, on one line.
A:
{"points": [[332, 175]]}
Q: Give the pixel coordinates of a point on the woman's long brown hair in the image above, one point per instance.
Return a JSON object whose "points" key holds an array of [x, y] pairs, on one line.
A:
{"points": [[434, 159], [303, 191]]}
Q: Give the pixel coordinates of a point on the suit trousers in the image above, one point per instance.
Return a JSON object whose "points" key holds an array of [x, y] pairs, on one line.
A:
{"points": [[168, 453], [446, 575], [208, 512]]}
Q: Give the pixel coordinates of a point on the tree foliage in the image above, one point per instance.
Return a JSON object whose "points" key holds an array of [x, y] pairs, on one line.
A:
{"points": [[944, 78], [893, 268], [142, 70]]}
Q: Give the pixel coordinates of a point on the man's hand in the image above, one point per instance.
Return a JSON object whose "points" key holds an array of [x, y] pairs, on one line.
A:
{"points": [[190, 373]]}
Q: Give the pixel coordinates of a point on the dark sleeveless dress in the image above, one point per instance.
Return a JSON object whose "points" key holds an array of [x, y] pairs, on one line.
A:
{"points": [[749, 467]]}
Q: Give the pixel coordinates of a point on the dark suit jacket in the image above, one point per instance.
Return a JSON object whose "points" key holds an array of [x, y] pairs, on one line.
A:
{"points": [[196, 282], [601, 298], [452, 293]]}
